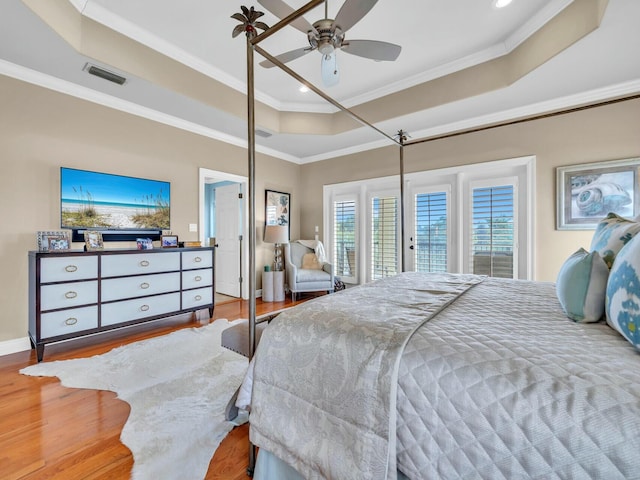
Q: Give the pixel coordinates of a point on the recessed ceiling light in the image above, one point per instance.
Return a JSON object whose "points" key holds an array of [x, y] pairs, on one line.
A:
{"points": [[303, 88], [501, 3]]}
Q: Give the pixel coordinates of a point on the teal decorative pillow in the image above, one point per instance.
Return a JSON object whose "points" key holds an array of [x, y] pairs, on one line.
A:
{"points": [[623, 293], [612, 233], [581, 286]]}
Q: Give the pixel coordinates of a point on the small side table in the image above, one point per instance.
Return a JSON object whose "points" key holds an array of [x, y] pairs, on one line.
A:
{"points": [[273, 286], [278, 286], [267, 286]]}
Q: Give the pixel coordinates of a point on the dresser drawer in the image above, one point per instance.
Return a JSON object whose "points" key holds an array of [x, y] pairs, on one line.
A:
{"points": [[139, 286], [64, 322], [127, 310], [197, 278], [65, 269], [139, 263], [196, 298], [66, 295], [197, 259]]}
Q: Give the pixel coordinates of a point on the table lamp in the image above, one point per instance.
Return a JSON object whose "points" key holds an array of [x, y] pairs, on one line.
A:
{"points": [[277, 234]]}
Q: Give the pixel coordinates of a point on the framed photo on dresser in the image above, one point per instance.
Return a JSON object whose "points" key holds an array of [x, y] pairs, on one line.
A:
{"points": [[93, 240], [61, 235]]}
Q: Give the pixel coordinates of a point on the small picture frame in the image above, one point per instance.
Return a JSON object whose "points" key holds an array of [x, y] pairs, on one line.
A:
{"points": [[169, 241], [58, 244], [277, 208], [93, 240], [144, 243], [43, 239]]}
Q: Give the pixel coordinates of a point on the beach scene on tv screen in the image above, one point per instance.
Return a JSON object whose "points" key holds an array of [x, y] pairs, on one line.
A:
{"points": [[106, 201]]}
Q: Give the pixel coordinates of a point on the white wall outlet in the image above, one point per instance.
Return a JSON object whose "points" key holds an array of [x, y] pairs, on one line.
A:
{"points": [[193, 227]]}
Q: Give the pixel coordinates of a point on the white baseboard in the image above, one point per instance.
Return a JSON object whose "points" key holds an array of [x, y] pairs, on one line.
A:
{"points": [[13, 346]]}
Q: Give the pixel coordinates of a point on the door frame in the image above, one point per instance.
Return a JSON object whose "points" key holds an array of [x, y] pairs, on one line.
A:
{"points": [[204, 174]]}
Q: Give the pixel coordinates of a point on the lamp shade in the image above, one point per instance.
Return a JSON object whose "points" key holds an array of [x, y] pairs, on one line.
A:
{"points": [[276, 234]]}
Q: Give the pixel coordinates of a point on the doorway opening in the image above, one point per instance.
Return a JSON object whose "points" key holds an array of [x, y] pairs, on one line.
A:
{"points": [[223, 223]]}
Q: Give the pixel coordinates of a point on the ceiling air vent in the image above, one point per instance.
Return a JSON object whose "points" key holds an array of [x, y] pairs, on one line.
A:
{"points": [[106, 74], [262, 133]]}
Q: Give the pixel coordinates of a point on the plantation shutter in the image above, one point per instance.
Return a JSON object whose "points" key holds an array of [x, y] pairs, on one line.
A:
{"points": [[430, 245], [384, 237], [492, 231], [344, 238]]}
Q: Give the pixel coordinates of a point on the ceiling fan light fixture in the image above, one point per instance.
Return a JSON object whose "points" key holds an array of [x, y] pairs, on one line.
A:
{"points": [[326, 48], [329, 70]]}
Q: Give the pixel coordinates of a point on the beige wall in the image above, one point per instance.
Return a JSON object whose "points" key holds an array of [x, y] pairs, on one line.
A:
{"points": [[41, 130], [598, 134]]}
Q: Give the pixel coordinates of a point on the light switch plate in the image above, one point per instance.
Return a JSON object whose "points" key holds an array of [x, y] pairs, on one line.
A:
{"points": [[193, 227]]}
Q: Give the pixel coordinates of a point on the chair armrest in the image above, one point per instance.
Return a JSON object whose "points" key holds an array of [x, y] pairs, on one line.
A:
{"points": [[292, 273], [328, 267]]}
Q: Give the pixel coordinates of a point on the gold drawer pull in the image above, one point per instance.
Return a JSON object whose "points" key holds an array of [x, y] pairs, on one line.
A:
{"points": [[197, 259], [198, 297], [144, 285], [71, 294], [144, 308], [198, 278], [144, 263], [71, 268], [71, 321]]}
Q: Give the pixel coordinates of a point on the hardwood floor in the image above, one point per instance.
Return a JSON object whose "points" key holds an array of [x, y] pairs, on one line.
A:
{"points": [[51, 432]]}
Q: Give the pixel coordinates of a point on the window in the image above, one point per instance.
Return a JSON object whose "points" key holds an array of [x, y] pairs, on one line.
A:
{"points": [[476, 218], [384, 237], [431, 232], [344, 238], [493, 232]]}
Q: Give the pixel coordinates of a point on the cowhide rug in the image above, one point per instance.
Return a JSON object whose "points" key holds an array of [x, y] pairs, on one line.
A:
{"points": [[177, 385]]}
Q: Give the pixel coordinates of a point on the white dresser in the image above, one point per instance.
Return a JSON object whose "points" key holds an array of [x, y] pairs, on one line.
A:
{"points": [[72, 294]]}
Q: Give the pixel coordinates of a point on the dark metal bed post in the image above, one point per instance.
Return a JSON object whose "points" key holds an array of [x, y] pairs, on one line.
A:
{"points": [[251, 139], [249, 26], [401, 138]]}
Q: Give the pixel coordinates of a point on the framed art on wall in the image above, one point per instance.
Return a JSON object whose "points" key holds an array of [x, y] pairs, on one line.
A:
{"points": [[587, 193], [277, 208]]}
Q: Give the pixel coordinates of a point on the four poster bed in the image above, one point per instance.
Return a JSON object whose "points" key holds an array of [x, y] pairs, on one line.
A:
{"points": [[449, 375]]}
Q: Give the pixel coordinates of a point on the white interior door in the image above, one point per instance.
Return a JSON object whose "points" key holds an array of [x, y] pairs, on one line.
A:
{"points": [[228, 239]]}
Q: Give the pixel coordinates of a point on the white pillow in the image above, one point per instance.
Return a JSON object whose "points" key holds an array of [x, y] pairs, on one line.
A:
{"points": [[581, 286]]}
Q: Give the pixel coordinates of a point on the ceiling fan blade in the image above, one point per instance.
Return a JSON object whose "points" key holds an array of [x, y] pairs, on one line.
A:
{"points": [[373, 49], [352, 12], [282, 10], [287, 56]]}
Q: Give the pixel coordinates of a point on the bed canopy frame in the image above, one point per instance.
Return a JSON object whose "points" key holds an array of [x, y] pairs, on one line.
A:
{"points": [[249, 26]]}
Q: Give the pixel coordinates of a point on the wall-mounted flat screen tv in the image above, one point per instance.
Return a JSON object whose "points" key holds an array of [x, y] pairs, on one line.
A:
{"points": [[121, 207]]}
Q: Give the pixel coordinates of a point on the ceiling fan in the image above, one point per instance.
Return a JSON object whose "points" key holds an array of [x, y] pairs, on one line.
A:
{"points": [[328, 36]]}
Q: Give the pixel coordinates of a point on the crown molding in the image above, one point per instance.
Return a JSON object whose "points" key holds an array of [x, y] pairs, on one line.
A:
{"points": [[570, 101], [104, 16], [63, 86]]}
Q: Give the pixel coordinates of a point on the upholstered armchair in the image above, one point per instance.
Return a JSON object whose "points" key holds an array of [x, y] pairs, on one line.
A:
{"points": [[305, 273]]}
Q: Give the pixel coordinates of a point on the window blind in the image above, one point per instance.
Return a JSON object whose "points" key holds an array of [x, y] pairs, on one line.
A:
{"points": [[492, 231], [384, 237], [344, 238], [430, 244]]}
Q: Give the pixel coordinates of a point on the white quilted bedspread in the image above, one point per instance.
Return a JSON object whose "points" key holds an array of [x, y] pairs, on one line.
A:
{"points": [[325, 372], [501, 385]]}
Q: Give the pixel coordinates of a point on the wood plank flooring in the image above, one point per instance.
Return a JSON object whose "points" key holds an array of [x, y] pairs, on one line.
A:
{"points": [[51, 432]]}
